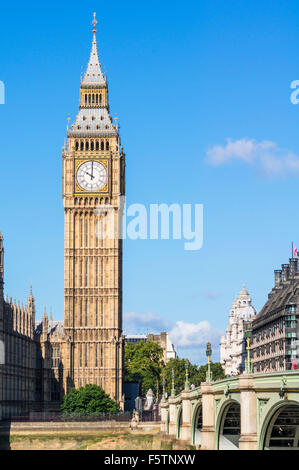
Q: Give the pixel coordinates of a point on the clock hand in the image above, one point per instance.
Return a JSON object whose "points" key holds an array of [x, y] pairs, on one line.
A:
{"points": [[92, 177], [92, 168]]}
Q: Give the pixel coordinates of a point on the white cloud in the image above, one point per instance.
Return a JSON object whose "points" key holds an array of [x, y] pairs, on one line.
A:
{"points": [[266, 156], [136, 323], [189, 339], [188, 335]]}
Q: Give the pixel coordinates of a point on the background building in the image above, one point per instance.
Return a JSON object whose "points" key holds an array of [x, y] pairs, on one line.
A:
{"points": [[275, 329], [162, 339], [232, 345], [17, 373]]}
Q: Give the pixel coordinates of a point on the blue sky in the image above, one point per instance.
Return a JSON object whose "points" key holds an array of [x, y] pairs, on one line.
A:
{"points": [[183, 78]]}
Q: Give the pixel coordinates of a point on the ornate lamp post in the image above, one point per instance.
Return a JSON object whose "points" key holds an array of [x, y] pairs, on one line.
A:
{"points": [[172, 384], [248, 361], [209, 354], [187, 384], [163, 392]]}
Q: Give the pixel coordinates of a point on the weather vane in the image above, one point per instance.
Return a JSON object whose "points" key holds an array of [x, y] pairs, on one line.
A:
{"points": [[94, 23]]}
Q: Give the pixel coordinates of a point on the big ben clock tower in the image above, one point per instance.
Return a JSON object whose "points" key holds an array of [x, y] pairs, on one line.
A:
{"points": [[93, 183]]}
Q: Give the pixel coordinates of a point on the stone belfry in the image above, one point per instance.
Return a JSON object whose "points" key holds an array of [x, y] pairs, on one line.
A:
{"points": [[93, 183]]}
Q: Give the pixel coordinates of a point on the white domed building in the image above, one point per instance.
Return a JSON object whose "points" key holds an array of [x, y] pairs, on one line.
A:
{"points": [[232, 345]]}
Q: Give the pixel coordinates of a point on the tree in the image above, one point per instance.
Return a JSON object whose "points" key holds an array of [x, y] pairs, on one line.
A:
{"points": [[90, 399], [143, 363], [196, 375], [179, 366]]}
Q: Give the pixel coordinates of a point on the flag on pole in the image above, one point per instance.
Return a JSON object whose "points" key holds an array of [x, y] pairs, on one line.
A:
{"points": [[295, 252]]}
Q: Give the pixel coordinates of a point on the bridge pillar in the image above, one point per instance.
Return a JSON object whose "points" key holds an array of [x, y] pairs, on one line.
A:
{"points": [[164, 412], [208, 422], [248, 438], [172, 416], [186, 416]]}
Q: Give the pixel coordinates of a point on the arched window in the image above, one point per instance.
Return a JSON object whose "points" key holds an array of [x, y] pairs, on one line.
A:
{"points": [[92, 145], [89, 99], [102, 145], [97, 99], [77, 145], [97, 145], [107, 144], [87, 146], [93, 99], [100, 98], [85, 99], [81, 145]]}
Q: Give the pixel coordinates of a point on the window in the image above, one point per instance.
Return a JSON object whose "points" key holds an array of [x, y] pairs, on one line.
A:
{"points": [[55, 356]]}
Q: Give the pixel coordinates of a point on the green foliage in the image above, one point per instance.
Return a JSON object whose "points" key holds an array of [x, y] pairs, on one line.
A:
{"points": [[179, 366], [196, 374], [143, 363], [88, 400]]}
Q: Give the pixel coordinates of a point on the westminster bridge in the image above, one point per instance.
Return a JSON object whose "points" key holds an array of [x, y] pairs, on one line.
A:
{"points": [[248, 412]]}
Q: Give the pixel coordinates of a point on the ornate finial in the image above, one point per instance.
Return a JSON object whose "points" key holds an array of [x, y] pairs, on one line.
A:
{"points": [[94, 23], [45, 317]]}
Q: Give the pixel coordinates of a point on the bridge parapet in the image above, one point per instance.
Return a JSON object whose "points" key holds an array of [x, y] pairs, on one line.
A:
{"points": [[257, 397]]}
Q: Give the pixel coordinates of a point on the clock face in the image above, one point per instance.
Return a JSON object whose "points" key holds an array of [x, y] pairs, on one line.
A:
{"points": [[91, 176]]}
